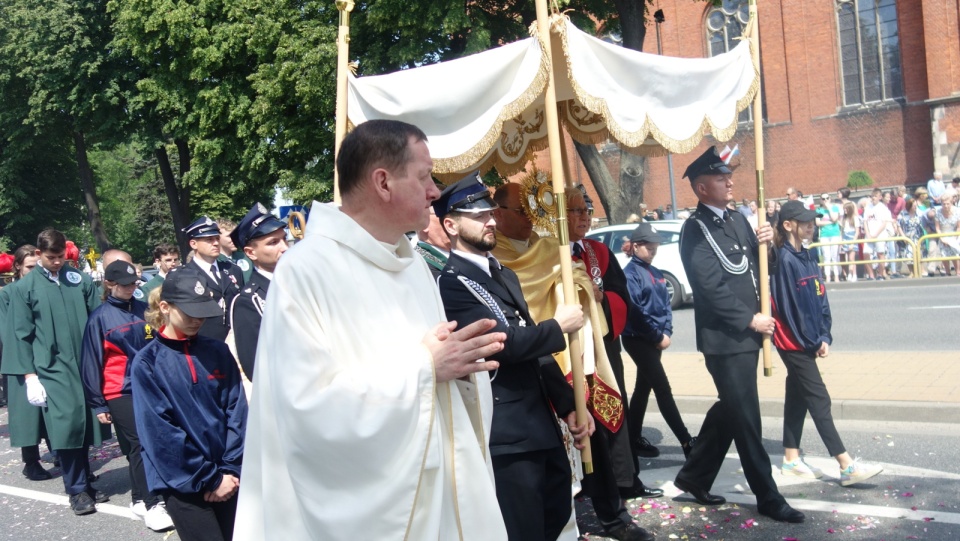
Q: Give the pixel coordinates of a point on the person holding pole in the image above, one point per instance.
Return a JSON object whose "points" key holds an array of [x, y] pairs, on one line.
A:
{"points": [[526, 444], [719, 251]]}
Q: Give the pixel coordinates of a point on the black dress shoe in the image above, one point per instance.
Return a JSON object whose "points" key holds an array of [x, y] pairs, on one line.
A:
{"points": [[35, 472], [701, 495], [639, 490], [783, 513], [97, 496], [82, 504], [629, 532], [643, 447]]}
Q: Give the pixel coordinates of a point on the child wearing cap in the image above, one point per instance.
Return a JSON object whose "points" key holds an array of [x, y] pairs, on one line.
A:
{"points": [[802, 313], [191, 411], [645, 337], [114, 333]]}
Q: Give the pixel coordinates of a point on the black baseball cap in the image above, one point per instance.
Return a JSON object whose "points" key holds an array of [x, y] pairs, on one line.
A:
{"points": [[184, 287], [794, 210], [646, 233], [121, 272]]}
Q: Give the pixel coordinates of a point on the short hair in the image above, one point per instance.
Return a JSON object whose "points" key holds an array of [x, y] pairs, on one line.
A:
{"points": [[876, 191], [844, 192], [503, 192], [165, 249], [51, 240], [375, 143], [225, 224], [20, 256]]}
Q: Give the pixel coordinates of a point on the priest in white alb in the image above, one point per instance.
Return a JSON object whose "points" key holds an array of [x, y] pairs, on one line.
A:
{"points": [[370, 417]]}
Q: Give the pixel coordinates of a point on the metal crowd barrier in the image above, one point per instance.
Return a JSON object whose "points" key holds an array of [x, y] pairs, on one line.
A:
{"points": [[921, 260], [841, 264]]}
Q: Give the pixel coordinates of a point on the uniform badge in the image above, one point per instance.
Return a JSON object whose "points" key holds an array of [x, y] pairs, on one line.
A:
{"points": [[137, 294], [244, 265], [198, 289], [129, 270], [148, 332], [261, 209], [73, 277]]}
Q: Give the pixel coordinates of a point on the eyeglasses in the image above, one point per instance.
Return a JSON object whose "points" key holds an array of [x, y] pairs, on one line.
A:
{"points": [[581, 211]]}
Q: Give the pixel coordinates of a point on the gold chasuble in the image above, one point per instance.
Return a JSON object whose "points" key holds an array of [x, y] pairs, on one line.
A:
{"points": [[539, 272]]}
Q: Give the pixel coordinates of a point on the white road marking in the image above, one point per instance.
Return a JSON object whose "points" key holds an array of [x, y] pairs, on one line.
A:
{"points": [[947, 307], [62, 499], [730, 485]]}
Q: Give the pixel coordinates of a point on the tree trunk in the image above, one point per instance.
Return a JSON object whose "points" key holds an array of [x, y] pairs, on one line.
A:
{"points": [[620, 197], [175, 197], [90, 193]]}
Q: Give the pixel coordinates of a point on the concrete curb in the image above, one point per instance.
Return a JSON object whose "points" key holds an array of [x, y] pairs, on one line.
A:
{"points": [[848, 410]]}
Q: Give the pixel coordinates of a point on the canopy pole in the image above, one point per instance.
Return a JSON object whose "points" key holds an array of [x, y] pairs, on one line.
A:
{"points": [[343, 58], [566, 269], [764, 277]]}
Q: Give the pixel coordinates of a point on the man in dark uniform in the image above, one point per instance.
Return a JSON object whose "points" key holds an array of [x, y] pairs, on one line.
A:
{"points": [[222, 278], [229, 251], [263, 239], [719, 253], [530, 463]]}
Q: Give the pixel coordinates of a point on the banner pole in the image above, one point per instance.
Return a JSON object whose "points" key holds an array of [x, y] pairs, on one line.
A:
{"points": [[343, 59]]}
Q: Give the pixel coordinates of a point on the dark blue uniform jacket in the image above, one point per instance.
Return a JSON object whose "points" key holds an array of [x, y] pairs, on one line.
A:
{"points": [[650, 316], [115, 332], [800, 303], [191, 413]]}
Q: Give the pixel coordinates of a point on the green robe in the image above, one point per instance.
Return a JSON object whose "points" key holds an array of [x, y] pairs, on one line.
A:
{"points": [[42, 335], [25, 421]]}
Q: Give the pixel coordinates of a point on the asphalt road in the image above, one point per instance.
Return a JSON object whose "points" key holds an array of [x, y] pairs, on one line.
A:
{"points": [[916, 497], [896, 315]]}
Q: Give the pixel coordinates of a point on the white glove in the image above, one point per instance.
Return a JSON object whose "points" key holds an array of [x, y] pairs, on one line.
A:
{"points": [[36, 394]]}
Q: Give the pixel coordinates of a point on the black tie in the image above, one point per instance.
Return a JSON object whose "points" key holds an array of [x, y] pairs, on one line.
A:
{"points": [[577, 250], [726, 216], [216, 275], [496, 274]]}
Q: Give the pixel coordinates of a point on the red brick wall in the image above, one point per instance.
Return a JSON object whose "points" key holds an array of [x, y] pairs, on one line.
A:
{"points": [[809, 142]]}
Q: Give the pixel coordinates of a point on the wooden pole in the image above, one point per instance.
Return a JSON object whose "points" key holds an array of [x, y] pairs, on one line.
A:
{"points": [[761, 196], [566, 269], [343, 59]]}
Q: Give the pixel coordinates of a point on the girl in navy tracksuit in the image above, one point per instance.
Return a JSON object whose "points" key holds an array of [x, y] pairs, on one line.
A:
{"points": [[114, 333], [191, 411], [802, 335], [646, 335]]}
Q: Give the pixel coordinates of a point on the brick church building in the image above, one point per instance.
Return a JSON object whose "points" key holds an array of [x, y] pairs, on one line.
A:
{"points": [[870, 85]]}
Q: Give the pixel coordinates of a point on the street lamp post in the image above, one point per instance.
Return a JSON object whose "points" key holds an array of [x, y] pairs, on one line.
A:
{"points": [[659, 18]]}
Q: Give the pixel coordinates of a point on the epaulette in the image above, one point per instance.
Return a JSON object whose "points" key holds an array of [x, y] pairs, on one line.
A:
{"points": [[248, 290]]}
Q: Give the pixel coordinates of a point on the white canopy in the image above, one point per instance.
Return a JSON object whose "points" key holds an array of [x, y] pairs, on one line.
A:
{"points": [[487, 109]]}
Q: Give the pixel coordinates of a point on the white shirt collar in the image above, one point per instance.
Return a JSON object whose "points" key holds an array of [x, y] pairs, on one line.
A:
{"points": [[717, 210], [268, 275], [520, 246], [480, 260]]}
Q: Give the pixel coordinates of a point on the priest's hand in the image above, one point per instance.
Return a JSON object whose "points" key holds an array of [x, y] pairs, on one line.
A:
{"points": [[455, 353], [36, 394], [229, 485], [580, 432]]}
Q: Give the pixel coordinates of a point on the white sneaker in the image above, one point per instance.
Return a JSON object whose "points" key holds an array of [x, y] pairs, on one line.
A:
{"points": [[138, 508], [799, 468], [157, 518], [858, 472]]}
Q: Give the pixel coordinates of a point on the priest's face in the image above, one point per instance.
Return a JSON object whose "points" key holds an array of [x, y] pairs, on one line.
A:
{"points": [[412, 189], [578, 215], [52, 261]]}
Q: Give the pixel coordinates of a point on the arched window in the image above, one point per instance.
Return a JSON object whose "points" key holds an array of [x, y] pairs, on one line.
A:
{"points": [[869, 51], [724, 24]]}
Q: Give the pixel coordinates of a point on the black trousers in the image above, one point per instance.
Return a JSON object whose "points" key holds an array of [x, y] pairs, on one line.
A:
{"points": [[651, 376], [621, 458], [75, 465], [533, 490], [121, 409], [734, 418], [197, 520], [806, 392], [601, 485]]}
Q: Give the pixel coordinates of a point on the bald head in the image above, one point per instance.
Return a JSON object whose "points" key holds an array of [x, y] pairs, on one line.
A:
{"points": [[114, 254], [512, 221]]}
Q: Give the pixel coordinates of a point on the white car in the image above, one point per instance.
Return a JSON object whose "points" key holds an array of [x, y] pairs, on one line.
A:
{"points": [[668, 255]]}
